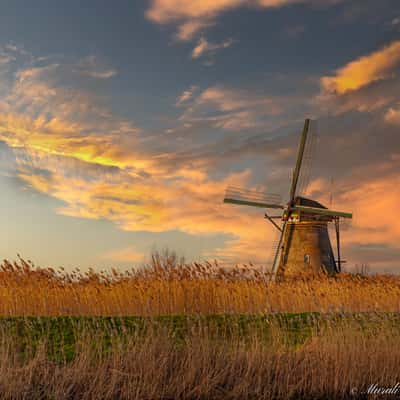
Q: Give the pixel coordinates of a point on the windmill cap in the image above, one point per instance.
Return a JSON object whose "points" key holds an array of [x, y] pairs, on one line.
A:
{"points": [[303, 201]]}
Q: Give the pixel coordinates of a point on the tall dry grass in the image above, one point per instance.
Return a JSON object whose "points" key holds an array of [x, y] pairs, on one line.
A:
{"points": [[169, 286], [337, 358], [333, 364]]}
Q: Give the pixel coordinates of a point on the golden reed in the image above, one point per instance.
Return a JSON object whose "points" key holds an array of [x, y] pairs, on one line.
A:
{"points": [[168, 286]]}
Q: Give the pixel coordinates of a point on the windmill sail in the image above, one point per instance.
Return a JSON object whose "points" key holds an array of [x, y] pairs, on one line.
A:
{"points": [[278, 252], [309, 156], [235, 195], [299, 161]]}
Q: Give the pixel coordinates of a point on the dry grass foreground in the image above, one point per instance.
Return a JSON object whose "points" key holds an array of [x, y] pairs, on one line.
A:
{"points": [[340, 361], [339, 356], [168, 286]]}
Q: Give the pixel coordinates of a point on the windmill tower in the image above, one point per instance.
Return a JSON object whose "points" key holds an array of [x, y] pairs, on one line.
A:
{"points": [[304, 244]]}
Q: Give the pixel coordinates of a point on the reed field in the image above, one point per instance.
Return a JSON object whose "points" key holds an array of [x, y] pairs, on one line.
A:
{"points": [[168, 286], [173, 330]]}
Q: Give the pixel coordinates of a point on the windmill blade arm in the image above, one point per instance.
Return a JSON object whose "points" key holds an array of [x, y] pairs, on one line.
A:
{"points": [[323, 211], [252, 203], [252, 198], [300, 155], [278, 252]]}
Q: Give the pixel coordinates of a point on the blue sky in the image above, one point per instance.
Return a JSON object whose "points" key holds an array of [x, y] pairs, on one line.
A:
{"points": [[122, 123]]}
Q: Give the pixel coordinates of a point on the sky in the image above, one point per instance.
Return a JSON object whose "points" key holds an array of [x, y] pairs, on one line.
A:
{"points": [[122, 123]]}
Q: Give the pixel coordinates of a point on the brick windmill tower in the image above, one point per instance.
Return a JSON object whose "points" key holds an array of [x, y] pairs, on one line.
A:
{"points": [[304, 244]]}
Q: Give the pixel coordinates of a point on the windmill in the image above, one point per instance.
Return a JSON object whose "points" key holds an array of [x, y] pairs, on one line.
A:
{"points": [[304, 243]]}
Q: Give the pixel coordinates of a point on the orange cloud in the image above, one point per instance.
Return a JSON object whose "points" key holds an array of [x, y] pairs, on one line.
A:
{"points": [[69, 147], [164, 11], [373, 204], [189, 29], [189, 203], [195, 15], [186, 95], [58, 137], [40, 113], [90, 163], [392, 116], [355, 75]]}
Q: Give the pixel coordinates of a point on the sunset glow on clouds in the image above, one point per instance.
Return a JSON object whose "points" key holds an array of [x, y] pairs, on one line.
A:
{"points": [[84, 131], [373, 67], [98, 175], [393, 116], [198, 14]]}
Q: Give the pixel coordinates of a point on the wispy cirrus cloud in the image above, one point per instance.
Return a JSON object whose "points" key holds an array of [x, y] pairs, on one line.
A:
{"points": [[186, 95], [5, 58], [159, 202], [47, 110], [392, 116], [206, 48], [91, 66], [231, 109], [194, 16], [70, 146], [10, 52]]}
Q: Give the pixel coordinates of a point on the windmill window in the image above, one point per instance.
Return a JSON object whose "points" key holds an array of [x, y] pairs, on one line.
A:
{"points": [[307, 258]]}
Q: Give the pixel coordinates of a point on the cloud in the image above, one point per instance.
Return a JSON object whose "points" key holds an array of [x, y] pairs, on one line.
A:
{"points": [[193, 16], [10, 53], [44, 111], [197, 13], [231, 109], [374, 97], [125, 255], [392, 116], [5, 59], [372, 202], [370, 83], [101, 74], [359, 73], [17, 50], [396, 21], [69, 145], [233, 100], [383, 257], [189, 29], [186, 95], [188, 202], [372, 231], [92, 67], [204, 47]]}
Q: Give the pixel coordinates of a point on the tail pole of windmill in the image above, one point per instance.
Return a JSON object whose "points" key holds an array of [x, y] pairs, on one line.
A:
{"points": [[304, 243]]}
